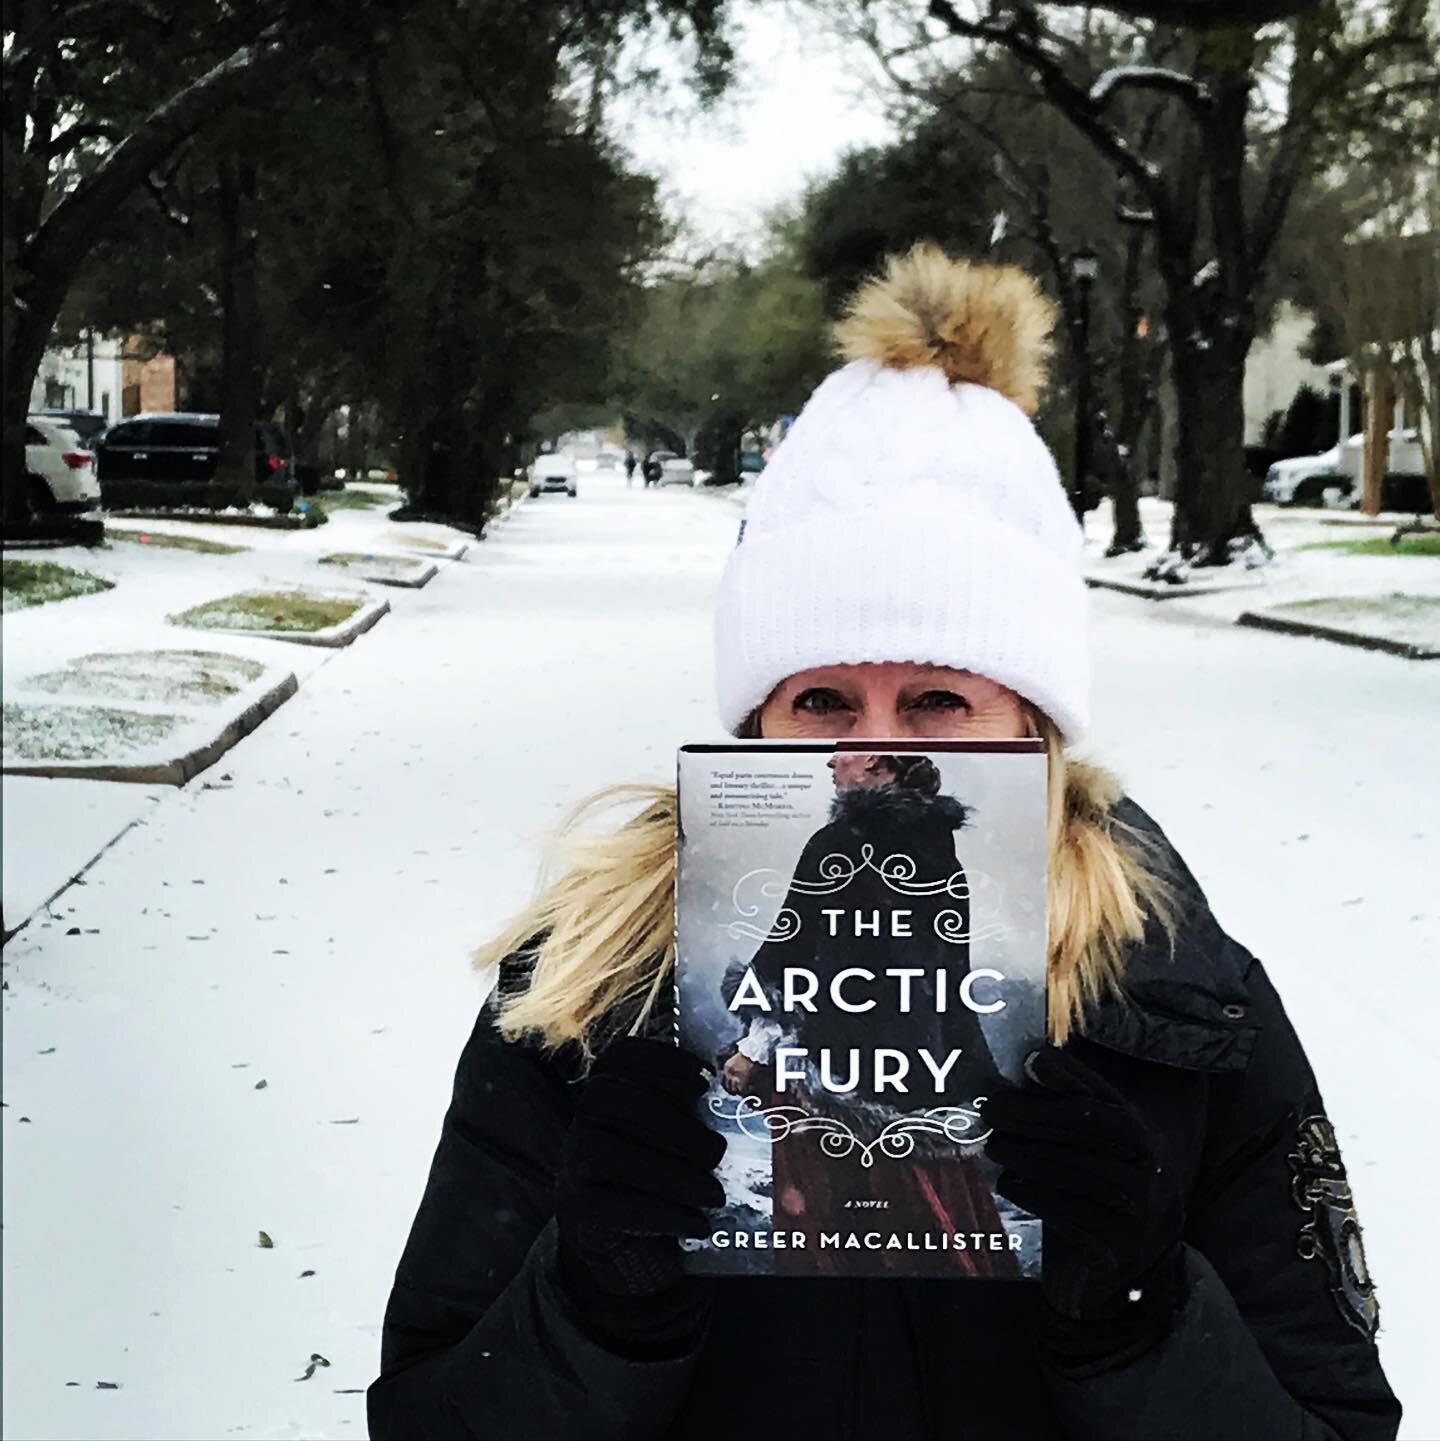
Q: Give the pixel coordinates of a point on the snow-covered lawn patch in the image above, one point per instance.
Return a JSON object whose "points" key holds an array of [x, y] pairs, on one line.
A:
{"points": [[384, 569], [166, 677], [303, 616], [1407, 625], [165, 540], [81, 732], [285, 611], [34, 582], [430, 545]]}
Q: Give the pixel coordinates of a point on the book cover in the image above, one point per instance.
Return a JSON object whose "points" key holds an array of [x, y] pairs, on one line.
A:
{"points": [[861, 944]]}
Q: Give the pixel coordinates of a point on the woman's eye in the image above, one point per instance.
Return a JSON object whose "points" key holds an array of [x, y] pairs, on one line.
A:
{"points": [[820, 701], [941, 700]]}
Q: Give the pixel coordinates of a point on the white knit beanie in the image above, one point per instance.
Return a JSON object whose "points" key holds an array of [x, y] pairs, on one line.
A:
{"points": [[913, 513]]}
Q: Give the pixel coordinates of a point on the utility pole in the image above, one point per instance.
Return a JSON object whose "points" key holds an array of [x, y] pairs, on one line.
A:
{"points": [[89, 367]]}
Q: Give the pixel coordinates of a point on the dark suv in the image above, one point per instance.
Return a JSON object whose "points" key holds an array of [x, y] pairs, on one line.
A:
{"points": [[185, 448]]}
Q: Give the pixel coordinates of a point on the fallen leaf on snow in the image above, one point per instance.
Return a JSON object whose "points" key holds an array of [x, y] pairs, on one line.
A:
{"points": [[316, 1359], [265, 1242]]}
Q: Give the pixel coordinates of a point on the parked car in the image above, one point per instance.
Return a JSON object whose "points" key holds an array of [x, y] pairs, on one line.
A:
{"points": [[1334, 476], [179, 448], [554, 472], [677, 470], [89, 425], [60, 472], [607, 460]]}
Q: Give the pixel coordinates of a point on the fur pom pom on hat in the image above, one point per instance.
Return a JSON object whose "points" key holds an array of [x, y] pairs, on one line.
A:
{"points": [[978, 324], [912, 512]]}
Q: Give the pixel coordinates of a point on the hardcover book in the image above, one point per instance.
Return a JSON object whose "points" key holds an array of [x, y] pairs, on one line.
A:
{"points": [[861, 945]]}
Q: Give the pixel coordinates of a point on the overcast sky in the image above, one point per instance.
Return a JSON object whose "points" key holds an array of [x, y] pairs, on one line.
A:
{"points": [[796, 105]]}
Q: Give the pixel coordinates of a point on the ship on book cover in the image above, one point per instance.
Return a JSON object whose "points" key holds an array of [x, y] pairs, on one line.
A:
{"points": [[861, 944]]}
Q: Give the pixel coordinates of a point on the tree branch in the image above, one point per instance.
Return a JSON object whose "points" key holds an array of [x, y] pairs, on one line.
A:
{"points": [[1023, 42], [1149, 77], [50, 254]]}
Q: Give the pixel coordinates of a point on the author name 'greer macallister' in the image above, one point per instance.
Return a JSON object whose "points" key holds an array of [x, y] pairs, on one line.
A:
{"points": [[867, 1240]]}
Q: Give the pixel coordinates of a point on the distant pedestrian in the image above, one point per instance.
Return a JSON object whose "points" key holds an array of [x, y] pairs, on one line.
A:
{"points": [[630, 463]]}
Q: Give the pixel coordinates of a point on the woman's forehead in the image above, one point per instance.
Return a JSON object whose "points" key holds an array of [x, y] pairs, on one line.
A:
{"points": [[877, 673]]}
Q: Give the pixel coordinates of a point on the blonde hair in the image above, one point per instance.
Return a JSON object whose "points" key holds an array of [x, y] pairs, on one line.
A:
{"points": [[600, 935]]}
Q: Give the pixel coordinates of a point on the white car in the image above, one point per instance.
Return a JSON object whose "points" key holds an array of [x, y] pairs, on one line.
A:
{"points": [[1335, 474], [554, 472], [677, 470], [60, 472]]}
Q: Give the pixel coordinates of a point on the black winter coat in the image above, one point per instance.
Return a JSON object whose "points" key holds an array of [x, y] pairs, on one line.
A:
{"points": [[1274, 1337]]}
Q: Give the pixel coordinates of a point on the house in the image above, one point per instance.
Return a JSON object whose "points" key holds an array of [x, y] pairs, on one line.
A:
{"points": [[112, 375]]}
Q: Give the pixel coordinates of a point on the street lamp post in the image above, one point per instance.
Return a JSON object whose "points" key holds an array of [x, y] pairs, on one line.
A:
{"points": [[1084, 268]]}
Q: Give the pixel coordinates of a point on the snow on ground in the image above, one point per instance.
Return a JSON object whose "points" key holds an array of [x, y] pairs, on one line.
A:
{"points": [[1296, 573], [308, 925], [151, 583]]}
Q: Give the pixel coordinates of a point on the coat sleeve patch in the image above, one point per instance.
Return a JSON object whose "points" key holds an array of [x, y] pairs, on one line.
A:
{"points": [[1331, 1234]]}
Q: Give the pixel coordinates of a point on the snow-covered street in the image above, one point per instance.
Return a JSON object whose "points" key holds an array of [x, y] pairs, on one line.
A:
{"points": [[255, 1027]]}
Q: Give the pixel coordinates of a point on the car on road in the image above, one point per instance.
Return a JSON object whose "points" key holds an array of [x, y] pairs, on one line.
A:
{"points": [[664, 467], [59, 470], [678, 470], [181, 447], [89, 425], [554, 472]]}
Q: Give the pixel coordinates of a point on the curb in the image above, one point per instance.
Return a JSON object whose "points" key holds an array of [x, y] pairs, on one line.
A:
{"points": [[1158, 590], [168, 773], [261, 522], [1409, 650]]}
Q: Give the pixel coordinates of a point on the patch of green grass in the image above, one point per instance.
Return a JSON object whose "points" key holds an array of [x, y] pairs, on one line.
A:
{"points": [[162, 540], [80, 732], [1380, 545], [171, 677], [37, 582], [272, 610], [352, 498]]}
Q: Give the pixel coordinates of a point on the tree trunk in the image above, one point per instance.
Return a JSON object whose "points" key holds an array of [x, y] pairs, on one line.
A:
{"points": [[1379, 417], [28, 338], [1213, 487], [240, 377]]}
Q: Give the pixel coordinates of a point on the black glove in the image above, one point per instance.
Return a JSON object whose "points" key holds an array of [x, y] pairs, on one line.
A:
{"points": [[638, 1167], [1076, 1153]]}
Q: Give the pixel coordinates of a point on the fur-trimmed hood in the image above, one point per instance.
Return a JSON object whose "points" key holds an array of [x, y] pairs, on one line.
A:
{"points": [[867, 808]]}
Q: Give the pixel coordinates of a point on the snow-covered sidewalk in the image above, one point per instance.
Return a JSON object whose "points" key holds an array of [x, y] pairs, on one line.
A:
{"points": [[58, 826], [306, 925]]}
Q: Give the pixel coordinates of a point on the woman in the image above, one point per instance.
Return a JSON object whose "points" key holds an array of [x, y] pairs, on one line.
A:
{"points": [[886, 806], [909, 568]]}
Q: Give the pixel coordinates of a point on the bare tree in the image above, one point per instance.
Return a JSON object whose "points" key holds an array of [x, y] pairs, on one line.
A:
{"points": [[1213, 128]]}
